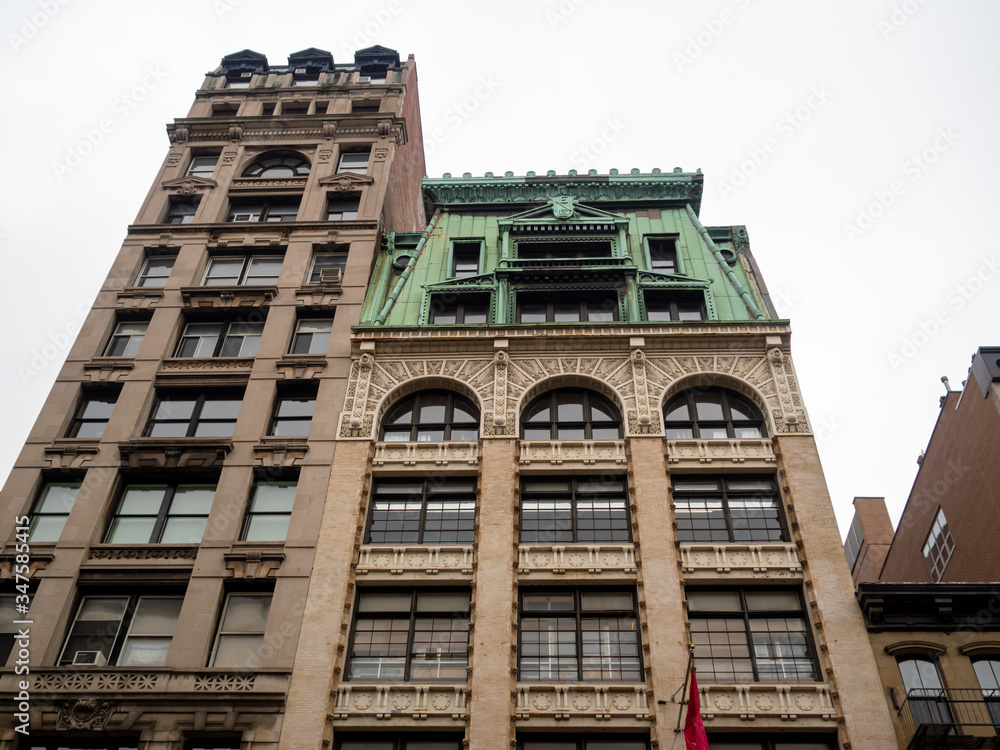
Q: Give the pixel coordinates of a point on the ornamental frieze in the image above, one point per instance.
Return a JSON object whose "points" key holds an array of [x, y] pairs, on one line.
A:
{"points": [[639, 380]]}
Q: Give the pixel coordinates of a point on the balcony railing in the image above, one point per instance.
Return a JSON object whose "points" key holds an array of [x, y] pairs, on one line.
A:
{"points": [[951, 718]]}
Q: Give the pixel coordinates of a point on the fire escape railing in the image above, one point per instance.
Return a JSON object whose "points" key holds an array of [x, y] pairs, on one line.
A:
{"points": [[931, 716]]}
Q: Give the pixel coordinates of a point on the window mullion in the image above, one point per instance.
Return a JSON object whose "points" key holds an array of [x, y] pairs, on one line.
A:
{"points": [[245, 269], [422, 523], [195, 415], [726, 511], [573, 511], [409, 636], [577, 599], [161, 516]]}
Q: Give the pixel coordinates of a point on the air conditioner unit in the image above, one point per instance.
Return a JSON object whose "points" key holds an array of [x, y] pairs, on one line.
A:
{"points": [[300, 71], [364, 79], [89, 658], [246, 75], [330, 275]]}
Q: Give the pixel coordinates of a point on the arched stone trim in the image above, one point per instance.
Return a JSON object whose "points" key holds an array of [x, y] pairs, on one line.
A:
{"points": [[916, 648], [410, 387], [256, 156], [981, 648], [722, 380], [570, 381]]}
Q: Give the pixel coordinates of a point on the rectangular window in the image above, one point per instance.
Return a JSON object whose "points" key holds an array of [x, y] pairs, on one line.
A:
{"points": [[562, 741], [255, 210], [342, 209], [92, 416], [355, 162], [565, 249], [161, 514], [365, 106], [376, 741], [269, 512], [328, 267], [855, 539], [312, 336], [573, 635], [574, 509], [181, 210], [124, 631], [195, 415], [252, 270], [662, 254], [781, 741], [126, 339], [8, 630], [305, 77], [292, 415], [241, 630], [51, 509], [225, 109], [750, 635], [728, 509], [466, 309], [202, 166], [465, 258], [546, 307], [294, 108], [938, 547], [155, 272], [411, 636], [423, 511], [684, 306], [233, 339]]}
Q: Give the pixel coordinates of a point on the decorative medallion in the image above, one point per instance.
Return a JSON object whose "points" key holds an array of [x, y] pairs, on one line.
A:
{"points": [[562, 207], [764, 702], [541, 702], [88, 714], [540, 559], [362, 702], [739, 558], [622, 702], [440, 701], [702, 559], [451, 561], [381, 561], [401, 701], [581, 702], [415, 561], [805, 702], [724, 702], [612, 559], [576, 559], [775, 558]]}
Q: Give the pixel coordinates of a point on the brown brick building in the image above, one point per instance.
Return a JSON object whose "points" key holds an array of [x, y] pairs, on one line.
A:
{"points": [[312, 477]]}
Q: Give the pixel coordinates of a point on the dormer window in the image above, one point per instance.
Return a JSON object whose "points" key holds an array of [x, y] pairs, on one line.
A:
{"points": [[305, 77], [239, 79]]}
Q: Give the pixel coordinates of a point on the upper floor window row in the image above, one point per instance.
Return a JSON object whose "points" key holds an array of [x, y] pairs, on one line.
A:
{"points": [[264, 209], [283, 165]]}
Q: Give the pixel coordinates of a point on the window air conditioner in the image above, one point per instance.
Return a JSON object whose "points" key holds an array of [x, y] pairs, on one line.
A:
{"points": [[300, 71], [330, 275], [364, 79], [246, 75], [89, 658]]}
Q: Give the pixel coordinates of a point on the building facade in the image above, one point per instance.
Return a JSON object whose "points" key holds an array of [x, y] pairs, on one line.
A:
{"points": [[574, 443], [929, 589], [172, 488], [343, 460]]}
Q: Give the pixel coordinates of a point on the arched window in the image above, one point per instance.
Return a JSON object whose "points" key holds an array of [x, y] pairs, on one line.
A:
{"points": [[988, 674], [571, 414], [286, 165], [427, 416], [712, 413], [924, 691]]}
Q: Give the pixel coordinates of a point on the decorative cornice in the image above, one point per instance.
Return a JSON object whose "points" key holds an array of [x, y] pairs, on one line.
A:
{"points": [[166, 231], [242, 184], [188, 453], [915, 647]]}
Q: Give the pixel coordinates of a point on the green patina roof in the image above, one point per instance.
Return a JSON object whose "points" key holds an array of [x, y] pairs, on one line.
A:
{"points": [[624, 211]]}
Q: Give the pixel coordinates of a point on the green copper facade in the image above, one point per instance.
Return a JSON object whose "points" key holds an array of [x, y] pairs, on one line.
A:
{"points": [[559, 250]]}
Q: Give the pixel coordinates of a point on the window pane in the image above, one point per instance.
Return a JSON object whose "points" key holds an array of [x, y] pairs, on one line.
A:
{"points": [[443, 602], [183, 530], [296, 407], [142, 499], [131, 531], [236, 650], [432, 407], [193, 499], [773, 600], [720, 601], [58, 498], [144, 652], [606, 601], [548, 602], [267, 528], [156, 615], [709, 405], [221, 408], [569, 406], [274, 497], [381, 602], [246, 613]]}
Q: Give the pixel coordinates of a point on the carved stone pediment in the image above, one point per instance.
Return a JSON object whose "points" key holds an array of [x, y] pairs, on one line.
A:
{"points": [[169, 453], [71, 453], [188, 185], [138, 298], [319, 295], [565, 209], [255, 563], [40, 559], [280, 452], [301, 366], [347, 181], [107, 369], [227, 296]]}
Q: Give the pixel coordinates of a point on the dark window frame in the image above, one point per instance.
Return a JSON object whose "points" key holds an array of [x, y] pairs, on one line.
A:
{"points": [[447, 425], [117, 337], [549, 300], [747, 741], [195, 420], [724, 493], [80, 419], [177, 210], [347, 207], [317, 265], [144, 276], [124, 630], [432, 490], [575, 496], [267, 213], [299, 336], [36, 513], [728, 422], [581, 742], [219, 633], [463, 252], [410, 616], [525, 249], [252, 514], [938, 547], [163, 514], [194, 169], [244, 274], [587, 423], [449, 302], [746, 615], [663, 246], [577, 615], [671, 299], [355, 169], [277, 419], [398, 740], [294, 163], [222, 338]]}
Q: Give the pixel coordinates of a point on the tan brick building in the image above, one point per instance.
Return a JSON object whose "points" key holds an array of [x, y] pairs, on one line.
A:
{"points": [[312, 477]]}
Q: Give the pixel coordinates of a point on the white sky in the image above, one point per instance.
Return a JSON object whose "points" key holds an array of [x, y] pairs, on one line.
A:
{"points": [[800, 114]]}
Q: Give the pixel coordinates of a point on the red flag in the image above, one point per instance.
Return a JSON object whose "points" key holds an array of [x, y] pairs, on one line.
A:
{"points": [[694, 729]]}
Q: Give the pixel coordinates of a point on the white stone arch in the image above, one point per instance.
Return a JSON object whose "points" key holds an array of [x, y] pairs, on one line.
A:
{"points": [[425, 383], [570, 380], [261, 154], [721, 380]]}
